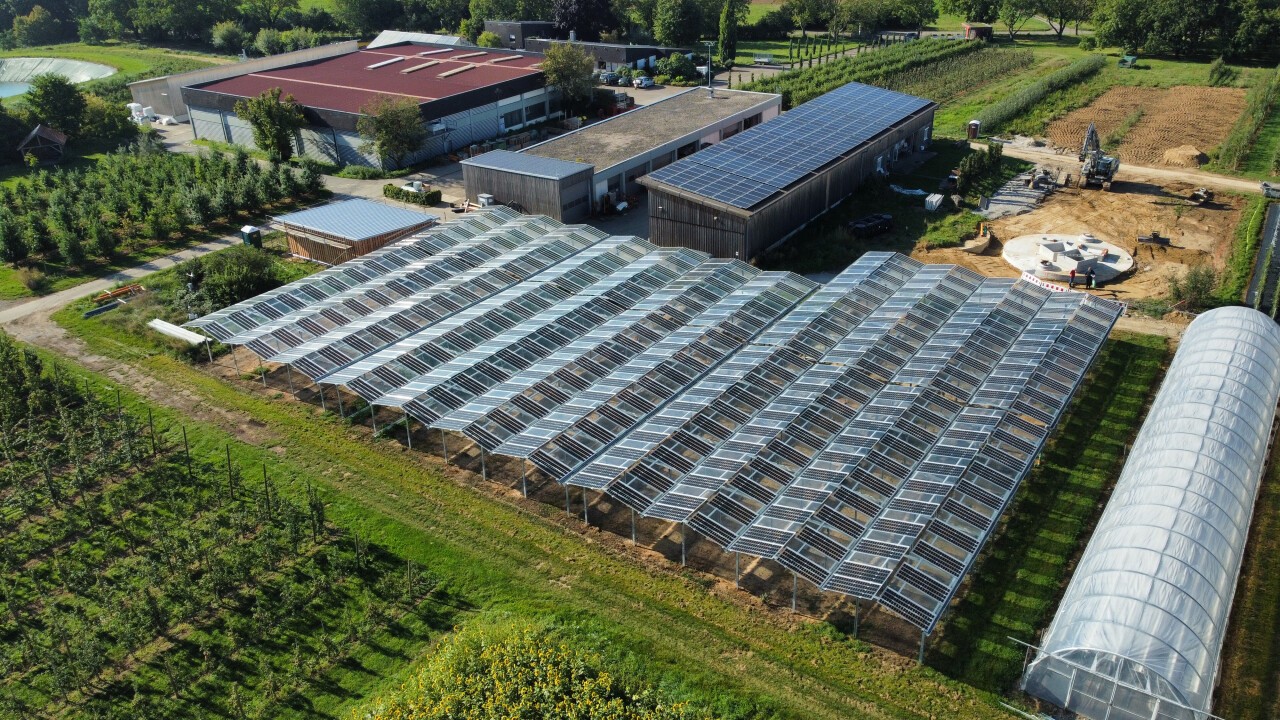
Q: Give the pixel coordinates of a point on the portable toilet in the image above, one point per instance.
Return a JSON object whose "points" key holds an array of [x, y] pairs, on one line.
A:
{"points": [[975, 126], [251, 235]]}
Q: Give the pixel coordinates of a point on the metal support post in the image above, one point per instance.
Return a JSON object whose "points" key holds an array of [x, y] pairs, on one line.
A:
{"points": [[373, 417], [524, 478], [208, 347], [484, 472], [234, 362], [585, 507], [408, 429], [633, 526], [856, 612], [566, 498], [737, 573], [341, 411], [263, 369], [322, 405], [923, 636], [681, 544], [795, 585], [444, 447], [288, 373]]}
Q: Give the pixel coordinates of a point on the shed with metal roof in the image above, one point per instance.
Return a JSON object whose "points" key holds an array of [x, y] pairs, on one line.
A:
{"points": [[545, 186], [340, 231]]}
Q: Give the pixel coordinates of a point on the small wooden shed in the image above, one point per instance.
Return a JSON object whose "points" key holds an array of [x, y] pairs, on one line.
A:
{"points": [[978, 31], [335, 233], [45, 143]]}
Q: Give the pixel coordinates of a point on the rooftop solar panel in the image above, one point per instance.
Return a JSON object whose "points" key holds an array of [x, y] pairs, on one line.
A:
{"points": [[747, 168]]}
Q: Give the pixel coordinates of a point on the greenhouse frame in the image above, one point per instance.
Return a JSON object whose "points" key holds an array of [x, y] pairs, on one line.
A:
{"points": [[1139, 632], [866, 434]]}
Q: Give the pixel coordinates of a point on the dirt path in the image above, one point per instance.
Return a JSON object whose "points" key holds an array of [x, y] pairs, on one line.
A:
{"points": [[1136, 173]]}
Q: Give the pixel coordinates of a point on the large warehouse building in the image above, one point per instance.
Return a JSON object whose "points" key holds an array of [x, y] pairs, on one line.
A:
{"points": [[569, 176], [756, 189], [465, 95]]}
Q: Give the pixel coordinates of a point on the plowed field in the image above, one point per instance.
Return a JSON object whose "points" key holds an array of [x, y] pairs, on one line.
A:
{"points": [[1172, 117]]}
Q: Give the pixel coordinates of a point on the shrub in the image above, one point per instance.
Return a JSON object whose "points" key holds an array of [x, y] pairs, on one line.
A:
{"points": [[269, 41], [1258, 107], [1221, 74], [395, 192], [361, 172], [1194, 290], [995, 116], [33, 279], [225, 278], [228, 36], [489, 40], [677, 67]]}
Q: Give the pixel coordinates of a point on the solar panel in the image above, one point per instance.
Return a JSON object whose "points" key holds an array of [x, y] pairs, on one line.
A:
{"points": [[747, 168], [866, 434]]}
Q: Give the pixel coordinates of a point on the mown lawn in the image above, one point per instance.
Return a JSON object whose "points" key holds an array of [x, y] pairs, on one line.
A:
{"points": [[1018, 582], [720, 650]]}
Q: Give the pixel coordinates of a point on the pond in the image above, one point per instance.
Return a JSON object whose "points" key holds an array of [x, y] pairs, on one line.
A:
{"points": [[9, 89]]}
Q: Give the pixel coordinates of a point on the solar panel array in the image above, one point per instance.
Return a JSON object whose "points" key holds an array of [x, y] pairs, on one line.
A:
{"points": [[866, 434], [749, 167]]}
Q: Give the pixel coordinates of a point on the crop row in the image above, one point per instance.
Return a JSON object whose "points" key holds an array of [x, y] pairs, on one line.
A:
{"points": [[950, 77], [1259, 104], [135, 196], [994, 117], [876, 67], [161, 585]]}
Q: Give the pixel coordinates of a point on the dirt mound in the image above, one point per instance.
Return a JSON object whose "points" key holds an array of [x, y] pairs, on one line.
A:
{"points": [[1172, 119], [1185, 156]]}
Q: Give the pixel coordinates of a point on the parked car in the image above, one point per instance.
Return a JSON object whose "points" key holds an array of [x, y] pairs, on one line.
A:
{"points": [[609, 78], [642, 81], [621, 80], [871, 225]]}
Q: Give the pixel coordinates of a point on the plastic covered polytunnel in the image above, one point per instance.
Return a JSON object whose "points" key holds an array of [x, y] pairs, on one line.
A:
{"points": [[1139, 631]]}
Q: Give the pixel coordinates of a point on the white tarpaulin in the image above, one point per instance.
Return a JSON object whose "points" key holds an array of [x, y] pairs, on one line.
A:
{"points": [[174, 331], [1140, 629]]}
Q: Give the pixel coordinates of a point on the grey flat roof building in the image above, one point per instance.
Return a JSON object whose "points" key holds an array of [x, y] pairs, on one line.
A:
{"points": [[616, 152]]}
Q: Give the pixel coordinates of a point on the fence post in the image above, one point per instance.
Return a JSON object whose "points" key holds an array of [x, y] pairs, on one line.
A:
{"points": [[186, 447], [151, 423]]}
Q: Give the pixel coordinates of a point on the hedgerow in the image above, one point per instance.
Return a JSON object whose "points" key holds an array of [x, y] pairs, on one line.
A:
{"points": [[995, 116], [1258, 106]]}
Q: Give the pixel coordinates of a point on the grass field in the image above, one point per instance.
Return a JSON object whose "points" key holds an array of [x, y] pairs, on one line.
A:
{"points": [[1017, 583], [494, 552], [1250, 671], [126, 57]]}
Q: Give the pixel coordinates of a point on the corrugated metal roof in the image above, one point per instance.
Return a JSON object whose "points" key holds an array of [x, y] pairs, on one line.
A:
{"points": [[550, 168], [356, 220], [393, 37]]}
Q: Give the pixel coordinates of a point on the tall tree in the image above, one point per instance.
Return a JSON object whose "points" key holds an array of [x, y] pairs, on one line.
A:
{"points": [[1061, 13], [568, 68], [366, 16], [985, 11], [391, 127], [675, 24], [809, 13], [586, 18], [275, 121], [266, 13], [1015, 13], [54, 101], [732, 15]]}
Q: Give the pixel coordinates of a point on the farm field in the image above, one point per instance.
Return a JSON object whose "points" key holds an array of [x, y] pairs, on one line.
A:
{"points": [[1172, 118]]}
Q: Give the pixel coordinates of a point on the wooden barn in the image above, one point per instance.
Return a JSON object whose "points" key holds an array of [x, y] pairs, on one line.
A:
{"points": [[756, 189], [337, 232]]}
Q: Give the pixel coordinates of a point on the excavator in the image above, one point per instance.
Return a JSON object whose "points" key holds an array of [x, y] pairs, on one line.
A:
{"points": [[1098, 168]]}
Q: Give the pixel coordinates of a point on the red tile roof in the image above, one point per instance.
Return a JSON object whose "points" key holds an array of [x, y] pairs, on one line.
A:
{"points": [[346, 82]]}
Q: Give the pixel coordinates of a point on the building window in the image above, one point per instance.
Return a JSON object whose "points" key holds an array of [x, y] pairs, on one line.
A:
{"points": [[752, 121], [513, 118], [726, 133], [536, 111]]}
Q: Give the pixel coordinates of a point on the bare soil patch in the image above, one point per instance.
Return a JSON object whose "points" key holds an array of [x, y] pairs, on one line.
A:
{"points": [[1172, 118], [1198, 234]]}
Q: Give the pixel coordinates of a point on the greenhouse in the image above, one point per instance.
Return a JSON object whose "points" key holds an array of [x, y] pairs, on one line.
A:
{"points": [[1140, 629]]}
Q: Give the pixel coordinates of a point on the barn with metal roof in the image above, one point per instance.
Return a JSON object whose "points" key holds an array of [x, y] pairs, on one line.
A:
{"points": [[754, 190], [340, 231]]}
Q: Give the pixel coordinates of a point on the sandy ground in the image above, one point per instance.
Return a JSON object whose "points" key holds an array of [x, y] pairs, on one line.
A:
{"points": [[1172, 117], [1199, 234]]}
